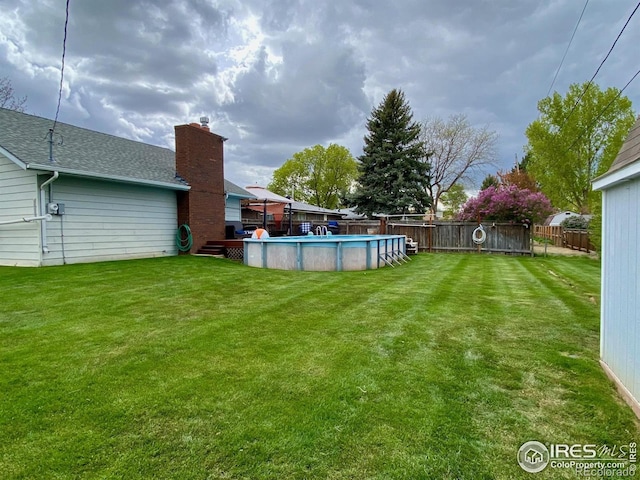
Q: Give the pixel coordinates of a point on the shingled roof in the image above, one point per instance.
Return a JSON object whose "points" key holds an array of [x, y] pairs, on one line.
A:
{"points": [[630, 151], [82, 152], [236, 191]]}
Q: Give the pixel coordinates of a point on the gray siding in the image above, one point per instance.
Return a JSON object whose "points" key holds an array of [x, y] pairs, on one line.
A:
{"points": [[110, 221], [19, 242], [232, 209], [620, 326]]}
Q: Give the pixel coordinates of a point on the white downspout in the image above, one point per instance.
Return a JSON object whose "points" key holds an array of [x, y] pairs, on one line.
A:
{"points": [[43, 211]]}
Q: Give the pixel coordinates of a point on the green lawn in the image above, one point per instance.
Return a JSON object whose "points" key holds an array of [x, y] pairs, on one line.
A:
{"points": [[195, 368]]}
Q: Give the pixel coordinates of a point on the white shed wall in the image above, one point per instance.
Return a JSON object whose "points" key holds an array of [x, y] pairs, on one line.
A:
{"points": [[620, 325], [19, 242], [110, 221]]}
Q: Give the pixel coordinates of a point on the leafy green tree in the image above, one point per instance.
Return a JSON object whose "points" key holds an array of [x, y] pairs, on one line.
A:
{"points": [[575, 139], [456, 151], [317, 175], [490, 181], [595, 225], [454, 199], [394, 174]]}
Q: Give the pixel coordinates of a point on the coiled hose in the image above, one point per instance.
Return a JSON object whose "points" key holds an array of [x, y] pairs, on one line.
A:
{"points": [[184, 240], [479, 235]]}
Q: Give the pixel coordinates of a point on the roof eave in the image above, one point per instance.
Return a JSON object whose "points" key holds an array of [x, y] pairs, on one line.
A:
{"points": [[620, 175], [318, 212], [241, 196], [13, 158], [99, 176]]}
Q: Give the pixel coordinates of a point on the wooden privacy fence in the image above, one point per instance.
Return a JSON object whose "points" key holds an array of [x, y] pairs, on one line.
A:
{"points": [[443, 235], [361, 227], [578, 240], [452, 236], [559, 237], [555, 234], [347, 227]]}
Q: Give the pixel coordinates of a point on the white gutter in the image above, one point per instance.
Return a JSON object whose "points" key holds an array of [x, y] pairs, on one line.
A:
{"points": [[43, 211], [620, 175], [46, 217], [100, 176]]}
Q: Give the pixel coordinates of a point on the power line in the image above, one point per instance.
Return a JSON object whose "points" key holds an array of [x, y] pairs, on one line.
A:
{"points": [[593, 122], [568, 46], [600, 66], [64, 50]]}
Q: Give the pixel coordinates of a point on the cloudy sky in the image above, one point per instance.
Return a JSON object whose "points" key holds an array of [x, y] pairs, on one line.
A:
{"points": [[277, 76]]}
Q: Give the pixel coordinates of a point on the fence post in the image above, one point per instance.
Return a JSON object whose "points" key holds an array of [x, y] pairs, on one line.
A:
{"points": [[479, 244]]}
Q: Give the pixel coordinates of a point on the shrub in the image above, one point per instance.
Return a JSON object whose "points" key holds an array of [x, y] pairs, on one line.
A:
{"points": [[575, 222], [507, 204], [595, 230]]}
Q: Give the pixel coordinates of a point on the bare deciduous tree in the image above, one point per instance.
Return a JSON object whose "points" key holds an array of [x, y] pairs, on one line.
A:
{"points": [[455, 150], [8, 97]]}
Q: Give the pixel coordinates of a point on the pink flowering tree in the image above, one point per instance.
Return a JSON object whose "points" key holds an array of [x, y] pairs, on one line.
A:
{"points": [[507, 204]]}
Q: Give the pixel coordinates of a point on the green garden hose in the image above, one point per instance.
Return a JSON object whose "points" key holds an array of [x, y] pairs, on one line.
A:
{"points": [[184, 240]]}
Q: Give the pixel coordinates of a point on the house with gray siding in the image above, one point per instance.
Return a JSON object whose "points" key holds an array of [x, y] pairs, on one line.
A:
{"points": [[233, 205], [79, 195], [620, 305]]}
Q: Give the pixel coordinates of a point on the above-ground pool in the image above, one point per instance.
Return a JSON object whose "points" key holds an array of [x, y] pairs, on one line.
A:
{"points": [[325, 252]]}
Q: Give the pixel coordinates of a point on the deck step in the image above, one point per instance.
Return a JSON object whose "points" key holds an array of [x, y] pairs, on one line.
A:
{"points": [[212, 249], [233, 249]]}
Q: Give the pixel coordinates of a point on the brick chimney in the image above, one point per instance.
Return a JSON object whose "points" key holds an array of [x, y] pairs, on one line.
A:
{"points": [[199, 160]]}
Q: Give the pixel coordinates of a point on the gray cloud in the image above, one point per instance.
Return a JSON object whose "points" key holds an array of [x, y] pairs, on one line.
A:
{"points": [[315, 94], [278, 76]]}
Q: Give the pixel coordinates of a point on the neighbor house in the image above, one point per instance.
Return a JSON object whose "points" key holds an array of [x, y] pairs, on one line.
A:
{"points": [[556, 219], [234, 195], [301, 210], [76, 195], [278, 207], [307, 212], [620, 306]]}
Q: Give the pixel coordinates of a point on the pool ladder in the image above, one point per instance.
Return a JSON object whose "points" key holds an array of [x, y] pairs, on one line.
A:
{"points": [[322, 230], [394, 257]]}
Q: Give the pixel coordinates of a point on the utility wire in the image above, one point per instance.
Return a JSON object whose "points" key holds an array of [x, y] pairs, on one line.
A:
{"points": [[64, 50], [568, 46], [593, 122], [600, 66]]}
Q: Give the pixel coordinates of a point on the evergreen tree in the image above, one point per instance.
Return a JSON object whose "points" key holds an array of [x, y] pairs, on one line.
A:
{"points": [[490, 181], [393, 172]]}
